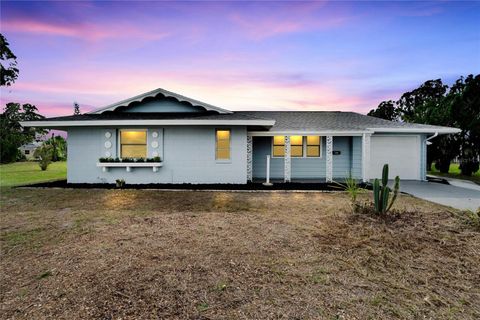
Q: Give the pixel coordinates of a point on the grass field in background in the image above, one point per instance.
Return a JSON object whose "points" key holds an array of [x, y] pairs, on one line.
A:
{"points": [[20, 173], [454, 172]]}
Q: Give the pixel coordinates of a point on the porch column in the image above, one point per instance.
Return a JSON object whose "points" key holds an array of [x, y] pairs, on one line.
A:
{"points": [[249, 158], [365, 156], [329, 172], [288, 165]]}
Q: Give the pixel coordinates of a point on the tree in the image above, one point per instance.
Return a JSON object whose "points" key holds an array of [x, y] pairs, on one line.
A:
{"points": [[12, 134], [465, 105], [385, 110], [59, 145], [8, 63]]}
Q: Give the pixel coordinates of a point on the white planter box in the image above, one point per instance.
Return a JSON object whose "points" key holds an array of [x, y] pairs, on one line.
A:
{"points": [[129, 165]]}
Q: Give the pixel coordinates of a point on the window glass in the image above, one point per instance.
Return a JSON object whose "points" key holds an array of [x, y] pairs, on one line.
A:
{"points": [[133, 143], [279, 146], [222, 146], [313, 146], [296, 146]]}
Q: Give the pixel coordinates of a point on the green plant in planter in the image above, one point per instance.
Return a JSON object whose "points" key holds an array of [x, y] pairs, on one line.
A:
{"points": [[120, 183], [381, 193], [140, 159], [127, 159]]}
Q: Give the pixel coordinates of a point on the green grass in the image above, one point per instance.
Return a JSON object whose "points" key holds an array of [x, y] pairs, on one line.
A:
{"points": [[454, 172], [21, 173]]}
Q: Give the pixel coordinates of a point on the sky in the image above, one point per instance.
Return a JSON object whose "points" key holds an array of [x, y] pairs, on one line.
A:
{"points": [[323, 55]]}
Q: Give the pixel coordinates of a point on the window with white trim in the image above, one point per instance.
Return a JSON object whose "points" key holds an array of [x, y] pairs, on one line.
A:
{"points": [[300, 146], [133, 143], [222, 144]]}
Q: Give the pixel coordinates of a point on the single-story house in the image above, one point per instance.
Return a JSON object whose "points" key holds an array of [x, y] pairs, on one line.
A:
{"points": [[188, 141]]}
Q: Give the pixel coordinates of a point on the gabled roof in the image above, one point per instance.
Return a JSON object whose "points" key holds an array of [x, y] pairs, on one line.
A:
{"points": [[160, 93]]}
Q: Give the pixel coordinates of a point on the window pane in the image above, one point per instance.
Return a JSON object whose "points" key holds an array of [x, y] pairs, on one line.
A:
{"points": [[313, 140], [297, 151], [223, 134], [223, 144], [313, 151], [296, 140], [134, 151], [133, 137], [223, 154], [279, 140], [278, 151]]}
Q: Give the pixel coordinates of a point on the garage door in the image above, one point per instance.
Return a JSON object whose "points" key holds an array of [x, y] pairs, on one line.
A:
{"points": [[402, 153]]}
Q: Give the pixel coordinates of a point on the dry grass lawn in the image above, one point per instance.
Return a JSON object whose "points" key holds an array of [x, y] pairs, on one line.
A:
{"points": [[133, 254]]}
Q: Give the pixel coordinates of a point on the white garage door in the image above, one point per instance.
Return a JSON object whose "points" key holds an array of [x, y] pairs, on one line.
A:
{"points": [[402, 153]]}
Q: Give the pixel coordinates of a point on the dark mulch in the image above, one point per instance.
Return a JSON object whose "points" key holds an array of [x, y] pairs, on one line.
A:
{"points": [[187, 186]]}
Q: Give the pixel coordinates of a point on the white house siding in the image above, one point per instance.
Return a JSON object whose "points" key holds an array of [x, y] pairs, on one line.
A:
{"points": [[348, 161], [188, 155]]}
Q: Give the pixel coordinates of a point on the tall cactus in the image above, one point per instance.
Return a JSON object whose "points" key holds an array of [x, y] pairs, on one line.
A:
{"points": [[381, 193]]}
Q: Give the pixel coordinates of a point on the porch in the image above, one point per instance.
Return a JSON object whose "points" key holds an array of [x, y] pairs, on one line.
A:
{"points": [[292, 158]]}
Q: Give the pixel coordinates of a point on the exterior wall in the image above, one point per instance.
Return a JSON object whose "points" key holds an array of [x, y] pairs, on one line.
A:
{"points": [[356, 157], [163, 105], [423, 157], [188, 155], [307, 168]]}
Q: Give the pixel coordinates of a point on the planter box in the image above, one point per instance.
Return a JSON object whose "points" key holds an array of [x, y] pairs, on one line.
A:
{"points": [[129, 165]]}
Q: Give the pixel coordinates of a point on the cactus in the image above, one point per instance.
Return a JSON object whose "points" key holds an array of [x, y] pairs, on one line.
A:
{"points": [[381, 193]]}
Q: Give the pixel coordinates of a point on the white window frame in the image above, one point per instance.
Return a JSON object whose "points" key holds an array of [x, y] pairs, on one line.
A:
{"points": [[119, 140], [229, 160], [304, 145]]}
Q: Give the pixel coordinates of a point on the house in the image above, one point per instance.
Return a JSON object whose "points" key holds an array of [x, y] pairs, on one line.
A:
{"points": [[28, 149], [188, 141]]}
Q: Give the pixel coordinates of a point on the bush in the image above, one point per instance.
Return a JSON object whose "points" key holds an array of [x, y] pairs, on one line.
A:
{"points": [[120, 183], [44, 154]]}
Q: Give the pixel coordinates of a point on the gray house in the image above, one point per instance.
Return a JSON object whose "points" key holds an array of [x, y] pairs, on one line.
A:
{"points": [[188, 141]]}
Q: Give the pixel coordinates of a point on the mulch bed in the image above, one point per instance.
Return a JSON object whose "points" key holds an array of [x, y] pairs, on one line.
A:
{"points": [[187, 186]]}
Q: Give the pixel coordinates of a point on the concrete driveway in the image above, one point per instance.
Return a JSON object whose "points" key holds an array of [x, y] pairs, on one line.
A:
{"points": [[454, 196]]}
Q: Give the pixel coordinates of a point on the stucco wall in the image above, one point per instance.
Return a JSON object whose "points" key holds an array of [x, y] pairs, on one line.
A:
{"points": [[188, 155], [308, 168]]}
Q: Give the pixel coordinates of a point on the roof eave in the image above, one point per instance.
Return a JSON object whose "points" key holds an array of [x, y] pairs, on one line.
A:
{"points": [[149, 122], [440, 130]]}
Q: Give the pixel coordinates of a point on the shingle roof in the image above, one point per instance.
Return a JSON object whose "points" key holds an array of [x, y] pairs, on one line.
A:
{"points": [[329, 121], [285, 121]]}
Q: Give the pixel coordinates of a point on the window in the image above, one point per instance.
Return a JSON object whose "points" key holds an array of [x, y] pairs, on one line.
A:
{"points": [[300, 146], [278, 146], [222, 146], [296, 146], [27, 151], [313, 146], [133, 143]]}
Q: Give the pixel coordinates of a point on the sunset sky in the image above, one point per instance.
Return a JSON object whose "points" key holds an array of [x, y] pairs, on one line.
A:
{"points": [[327, 55]]}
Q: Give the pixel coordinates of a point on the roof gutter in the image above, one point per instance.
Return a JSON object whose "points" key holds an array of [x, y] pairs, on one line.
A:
{"points": [[441, 130], [427, 141]]}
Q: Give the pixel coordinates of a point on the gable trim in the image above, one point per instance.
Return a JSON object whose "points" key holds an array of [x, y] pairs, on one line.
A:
{"points": [[164, 93]]}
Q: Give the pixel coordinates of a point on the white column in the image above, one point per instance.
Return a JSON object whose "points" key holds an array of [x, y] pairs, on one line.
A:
{"points": [[365, 156], [249, 158], [329, 171], [287, 157]]}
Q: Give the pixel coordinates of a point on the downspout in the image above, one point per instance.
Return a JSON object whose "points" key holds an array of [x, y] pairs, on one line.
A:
{"points": [[427, 143], [430, 138]]}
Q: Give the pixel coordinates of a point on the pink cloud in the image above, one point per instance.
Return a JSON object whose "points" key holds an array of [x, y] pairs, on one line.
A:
{"points": [[84, 31]]}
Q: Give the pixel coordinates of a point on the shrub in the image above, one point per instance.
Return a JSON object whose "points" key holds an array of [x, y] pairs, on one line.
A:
{"points": [[140, 160], [381, 193], [127, 159], [44, 154], [351, 186], [120, 183]]}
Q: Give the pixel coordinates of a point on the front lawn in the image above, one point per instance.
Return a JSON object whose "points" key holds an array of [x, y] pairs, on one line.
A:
{"points": [[20, 173], [148, 254], [454, 172]]}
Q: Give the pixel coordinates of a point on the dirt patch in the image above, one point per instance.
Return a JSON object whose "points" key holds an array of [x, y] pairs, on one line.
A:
{"points": [[130, 254]]}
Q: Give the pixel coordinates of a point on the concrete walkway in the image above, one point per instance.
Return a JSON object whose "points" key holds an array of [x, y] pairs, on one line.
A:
{"points": [[457, 196]]}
